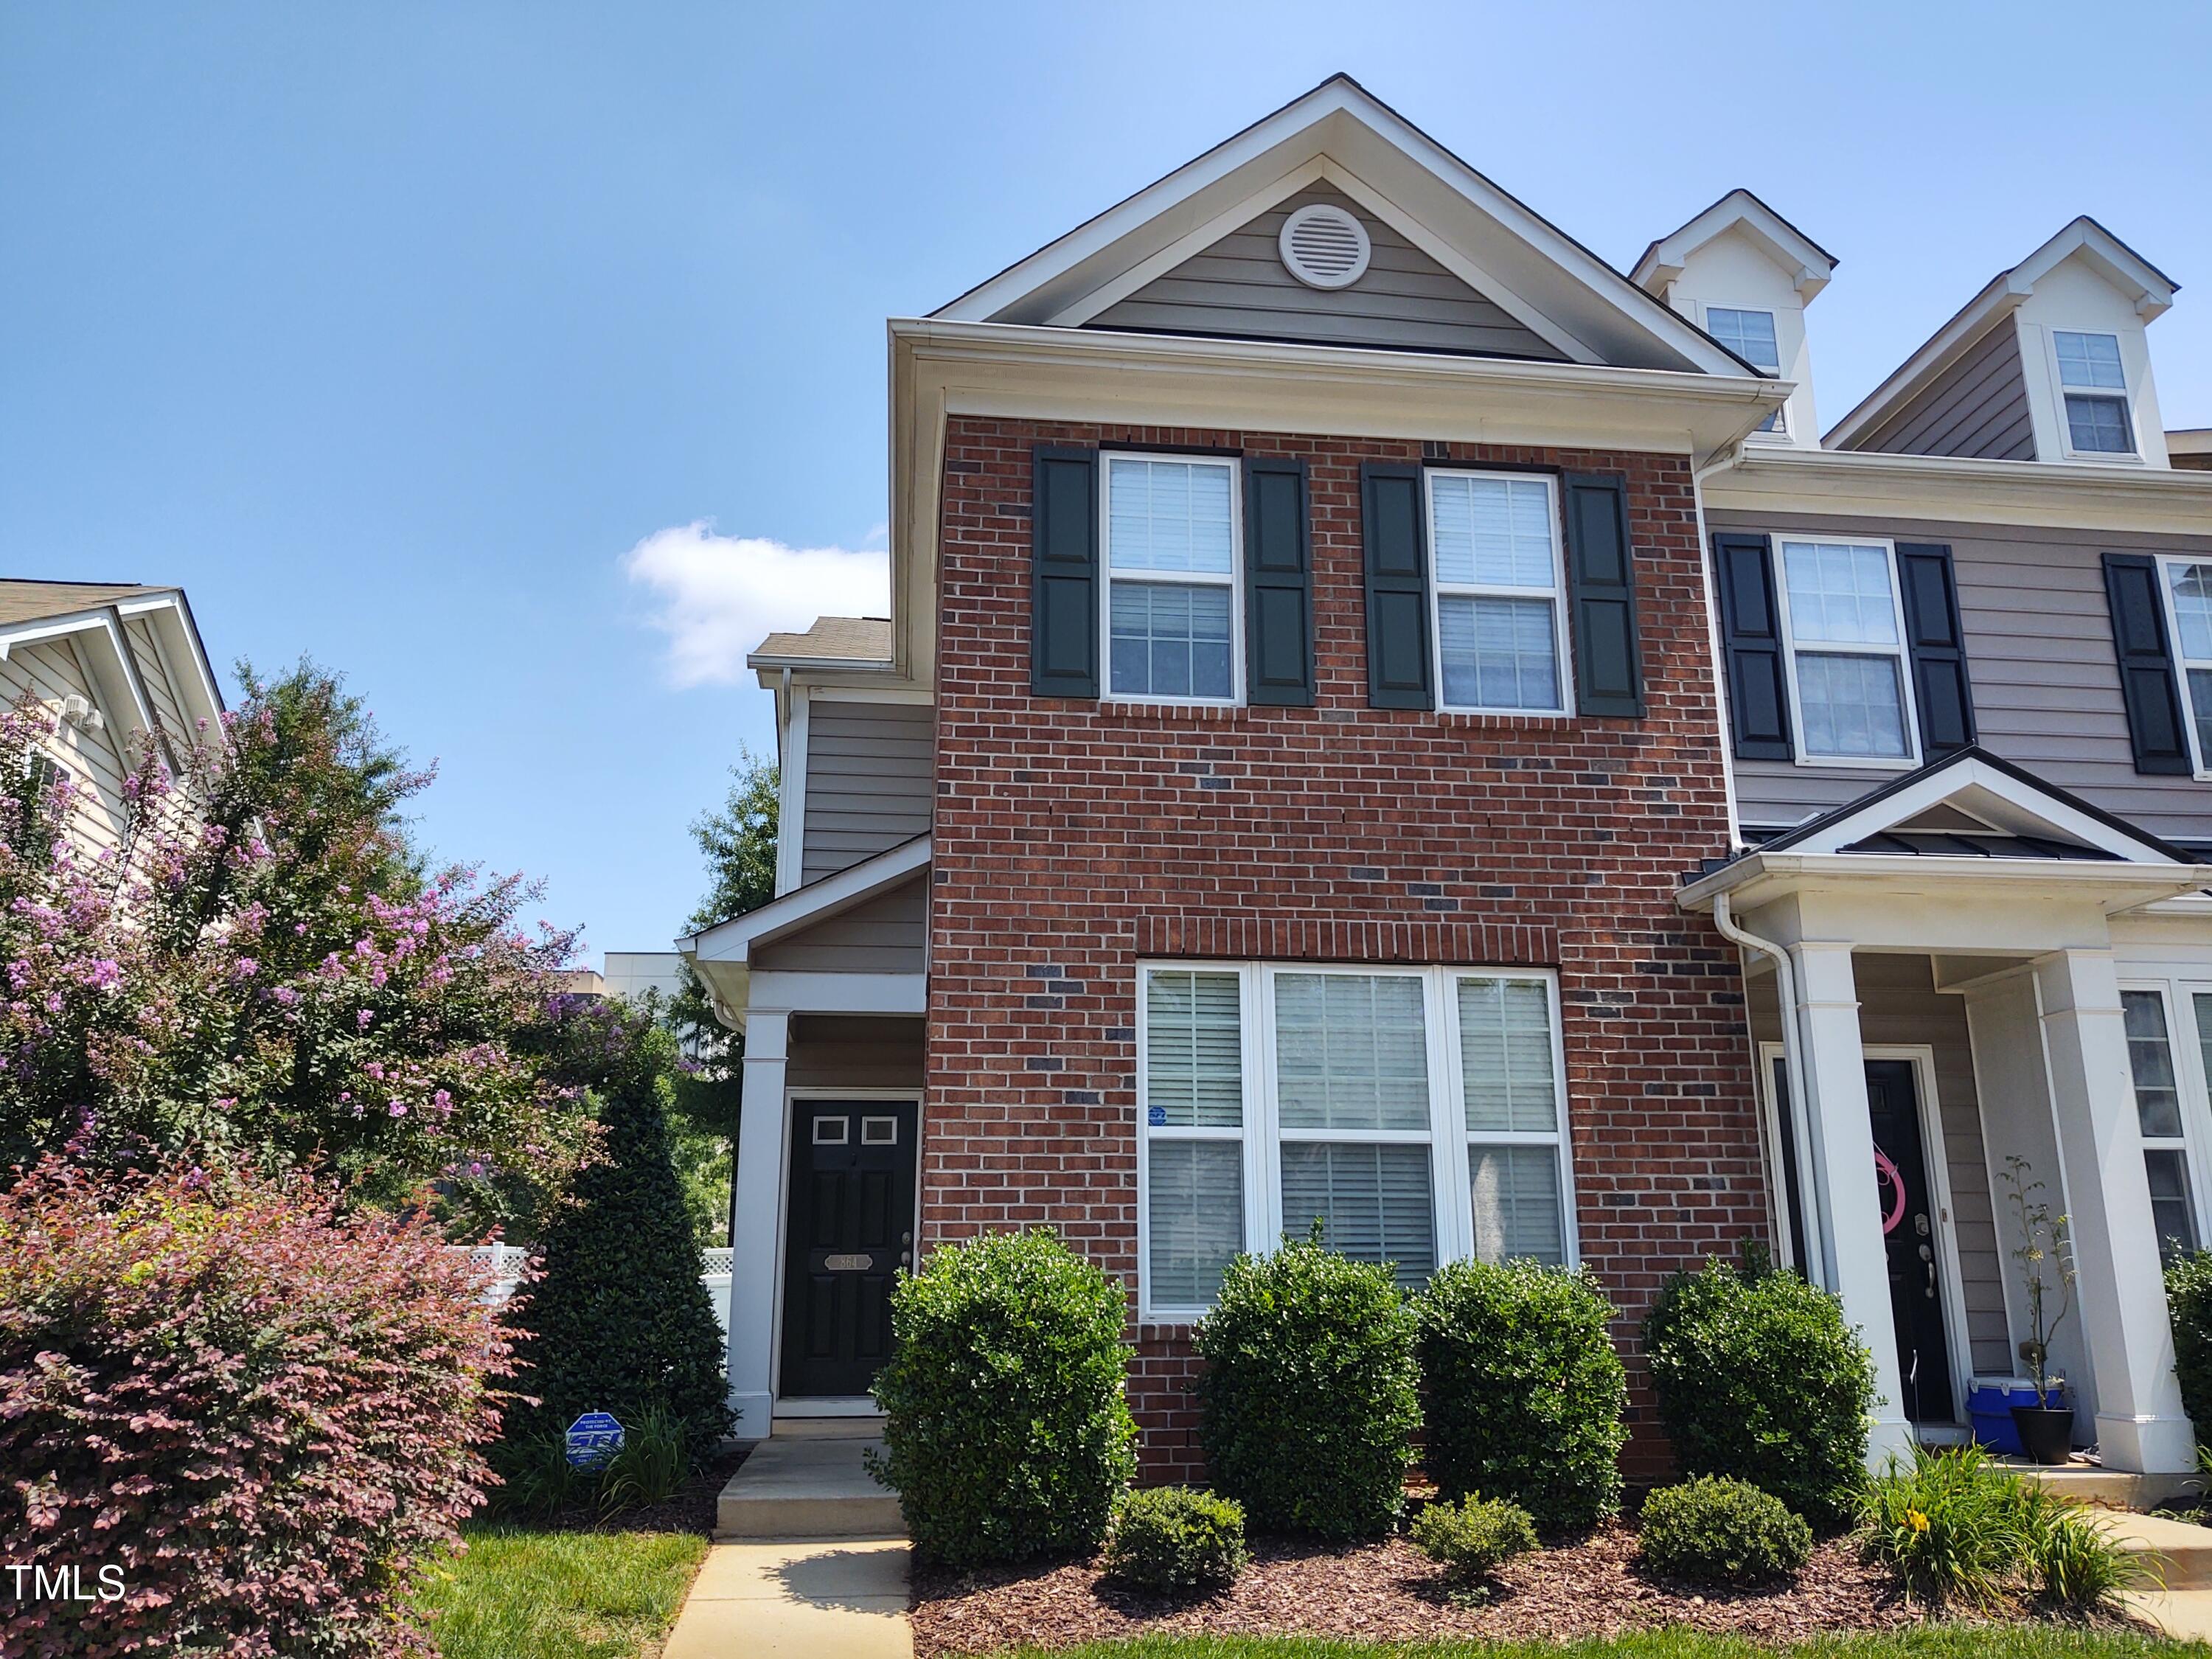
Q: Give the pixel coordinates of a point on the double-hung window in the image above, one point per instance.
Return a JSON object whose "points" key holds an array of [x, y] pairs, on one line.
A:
{"points": [[2095, 388], [1174, 627], [1416, 1114], [1500, 618], [2153, 1069], [2189, 601], [1845, 636], [1750, 335]]}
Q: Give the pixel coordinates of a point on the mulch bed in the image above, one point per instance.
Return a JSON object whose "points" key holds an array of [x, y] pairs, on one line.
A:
{"points": [[690, 1508], [1391, 1592]]}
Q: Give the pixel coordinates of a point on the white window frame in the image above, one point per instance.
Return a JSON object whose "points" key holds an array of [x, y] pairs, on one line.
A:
{"points": [[2169, 564], [1556, 595], [1780, 431], [1900, 653], [2177, 997], [2124, 394], [1234, 581], [1447, 1136]]}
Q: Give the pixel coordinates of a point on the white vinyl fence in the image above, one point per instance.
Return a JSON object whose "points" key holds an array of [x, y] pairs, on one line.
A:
{"points": [[506, 1262]]}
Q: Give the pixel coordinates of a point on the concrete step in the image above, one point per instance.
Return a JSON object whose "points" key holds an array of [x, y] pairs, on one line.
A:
{"points": [[2178, 1553], [2111, 1489], [2185, 1615], [807, 1488], [868, 1427]]}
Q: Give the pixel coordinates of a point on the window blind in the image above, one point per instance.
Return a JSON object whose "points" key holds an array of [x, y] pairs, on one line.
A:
{"points": [[1374, 1202]]}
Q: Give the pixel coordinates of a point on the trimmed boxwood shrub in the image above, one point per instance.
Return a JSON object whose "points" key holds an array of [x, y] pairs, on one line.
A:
{"points": [[1473, 1537], [262, 1415], [1760, 1377], [1309, 1396], [1006, 1433], [1524, 1392], [2189, 1301], [1172, 1540], [1713, 1530]]}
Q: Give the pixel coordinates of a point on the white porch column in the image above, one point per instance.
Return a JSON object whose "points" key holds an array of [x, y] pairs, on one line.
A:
{"points": [[2120, 1290], [756, 1224], [1855, 1266]]}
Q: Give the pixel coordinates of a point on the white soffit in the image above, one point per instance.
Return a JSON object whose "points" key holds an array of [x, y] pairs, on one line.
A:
{"points": [[1809, 265], [1383, 161]]}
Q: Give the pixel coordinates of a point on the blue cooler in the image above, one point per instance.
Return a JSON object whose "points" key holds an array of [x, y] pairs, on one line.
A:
{"points": [[1989, 1406]]}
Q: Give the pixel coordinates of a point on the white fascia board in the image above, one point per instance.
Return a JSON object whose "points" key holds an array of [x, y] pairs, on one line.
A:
{"points": [[2058, 495], [802, 991], [115, 678], [1758, 878], [734, 940], [2136, 279], [1808, 266], [171, 615], [1939, 786]]}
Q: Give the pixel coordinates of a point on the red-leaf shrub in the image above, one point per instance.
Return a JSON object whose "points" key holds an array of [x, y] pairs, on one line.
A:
{"points": [[265, 1415]]}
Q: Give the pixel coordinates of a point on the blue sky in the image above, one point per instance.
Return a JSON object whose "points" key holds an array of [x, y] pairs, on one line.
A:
{"points": [[420, 338]]}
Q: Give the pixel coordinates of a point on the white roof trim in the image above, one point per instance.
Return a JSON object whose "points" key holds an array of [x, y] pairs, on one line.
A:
{"points": [[2139, 282], [1808, 264], [736, 940], [1760, 878], [2013, 802], [113, 673], [1397, 161]]}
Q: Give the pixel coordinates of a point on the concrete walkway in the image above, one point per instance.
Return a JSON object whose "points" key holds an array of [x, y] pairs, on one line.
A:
{"points": [[826, 1598]]}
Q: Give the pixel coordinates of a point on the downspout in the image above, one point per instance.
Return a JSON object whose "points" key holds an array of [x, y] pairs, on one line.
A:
{"points": [[1722, 462], [1793, 1070]]}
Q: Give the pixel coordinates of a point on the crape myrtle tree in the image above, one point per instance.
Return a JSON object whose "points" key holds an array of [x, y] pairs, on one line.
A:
{"points": [[266, 972]]}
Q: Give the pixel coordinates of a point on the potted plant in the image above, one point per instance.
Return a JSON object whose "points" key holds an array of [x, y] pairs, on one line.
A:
{"points": [[2045, 1255]]}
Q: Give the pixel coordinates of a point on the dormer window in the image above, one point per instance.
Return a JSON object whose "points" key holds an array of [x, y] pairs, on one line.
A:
{"points": [[1750, 335], [2095, 388]]}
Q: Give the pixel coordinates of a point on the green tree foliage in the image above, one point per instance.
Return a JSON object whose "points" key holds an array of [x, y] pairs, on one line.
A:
{"points": [[2189, 1301], [619, 1322]]}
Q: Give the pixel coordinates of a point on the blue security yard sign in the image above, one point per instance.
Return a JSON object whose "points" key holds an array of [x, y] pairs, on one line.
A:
{"points": [[593, 1438]]}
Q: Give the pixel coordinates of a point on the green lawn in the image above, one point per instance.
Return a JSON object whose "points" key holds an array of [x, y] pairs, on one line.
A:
{"points": [[520, 1594], [1931, 1642]]}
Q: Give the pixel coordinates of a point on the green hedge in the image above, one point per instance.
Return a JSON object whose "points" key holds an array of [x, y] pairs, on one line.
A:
{"points": [[1006, 1432], [1524, 1390], [2189, 1300], [1760, 1377], [1310, 1395], [1173, 1540], [1473, 1537], [1713, 1530]]}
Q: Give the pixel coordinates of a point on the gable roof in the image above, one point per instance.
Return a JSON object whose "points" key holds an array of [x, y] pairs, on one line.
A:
{"points": [[23, 598], [1810, 264], [96, 615], [840, 640], [2150, 290], [1342, 133]]}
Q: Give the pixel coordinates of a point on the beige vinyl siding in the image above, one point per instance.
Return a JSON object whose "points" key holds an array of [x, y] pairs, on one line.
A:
{"points": [[1406, 300], [886, 935], [154, 671], [2040, 653], [1977, 406], [1898, 1006], [49, 671], [855, 1051], [868, 781]]}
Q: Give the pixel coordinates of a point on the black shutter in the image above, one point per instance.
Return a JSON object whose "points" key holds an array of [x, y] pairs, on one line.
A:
{"points": [[1751, 639], [1601, 596], [1277, 583], [1064, 573], [2146, 683], [1938, 644], [1393, 518]]}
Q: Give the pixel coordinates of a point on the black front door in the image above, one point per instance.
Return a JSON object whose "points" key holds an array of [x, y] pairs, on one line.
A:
{"points": [[1909, 1220], [852, 1228]]}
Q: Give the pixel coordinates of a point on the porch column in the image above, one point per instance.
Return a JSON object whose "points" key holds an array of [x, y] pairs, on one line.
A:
{"points": [[2119, 1286], [756, 1224], [1854, 1263]]}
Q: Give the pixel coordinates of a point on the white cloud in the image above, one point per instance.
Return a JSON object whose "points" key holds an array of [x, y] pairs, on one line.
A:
{"points": [[717, 597]]}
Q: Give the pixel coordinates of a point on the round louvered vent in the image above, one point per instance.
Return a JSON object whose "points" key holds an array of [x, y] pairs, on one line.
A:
{"points": [[1324, 246]]}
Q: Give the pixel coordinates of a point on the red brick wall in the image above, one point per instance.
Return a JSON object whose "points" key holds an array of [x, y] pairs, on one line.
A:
{"points": [[1072, 838]]}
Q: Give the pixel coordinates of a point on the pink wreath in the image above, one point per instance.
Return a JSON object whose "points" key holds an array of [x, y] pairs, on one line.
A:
{"points": [[1884, 1170]]}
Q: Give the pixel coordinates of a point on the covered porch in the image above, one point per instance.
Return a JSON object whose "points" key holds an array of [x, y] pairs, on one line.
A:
{"points": [[827, 985], [1934, 996]]}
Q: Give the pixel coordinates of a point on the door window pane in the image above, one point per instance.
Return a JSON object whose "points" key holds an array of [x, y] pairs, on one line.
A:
{"points": [[2171, 1210], [2150, 1061], [1195, 1192], [1374, 1202], [1493, 532], [1351, 1052], [1498, 653], [1171, 639], [1505, 1056], [1853, 706], [1517, 1203], [1193, 1051], [1169, 515]]}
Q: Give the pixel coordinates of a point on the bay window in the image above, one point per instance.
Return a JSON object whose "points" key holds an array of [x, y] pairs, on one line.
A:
{"points": [[1844, 633], [1500, 623], [1416, 1114], [1174, 627]]}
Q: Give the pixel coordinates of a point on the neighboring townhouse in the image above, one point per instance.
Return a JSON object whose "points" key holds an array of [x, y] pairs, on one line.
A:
{"points": [[111, 662], [1383, 716]]}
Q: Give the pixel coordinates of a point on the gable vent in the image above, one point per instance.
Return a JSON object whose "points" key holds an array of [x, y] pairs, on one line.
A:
{"points": [[1324, 246]]}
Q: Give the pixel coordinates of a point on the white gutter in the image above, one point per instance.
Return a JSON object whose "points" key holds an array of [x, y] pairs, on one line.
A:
{"points": [[1793, 1068], [1725, 720]]}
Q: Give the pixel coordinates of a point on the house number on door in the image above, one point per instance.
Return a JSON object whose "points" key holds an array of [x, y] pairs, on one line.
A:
{"points": [[848, 1264]]}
